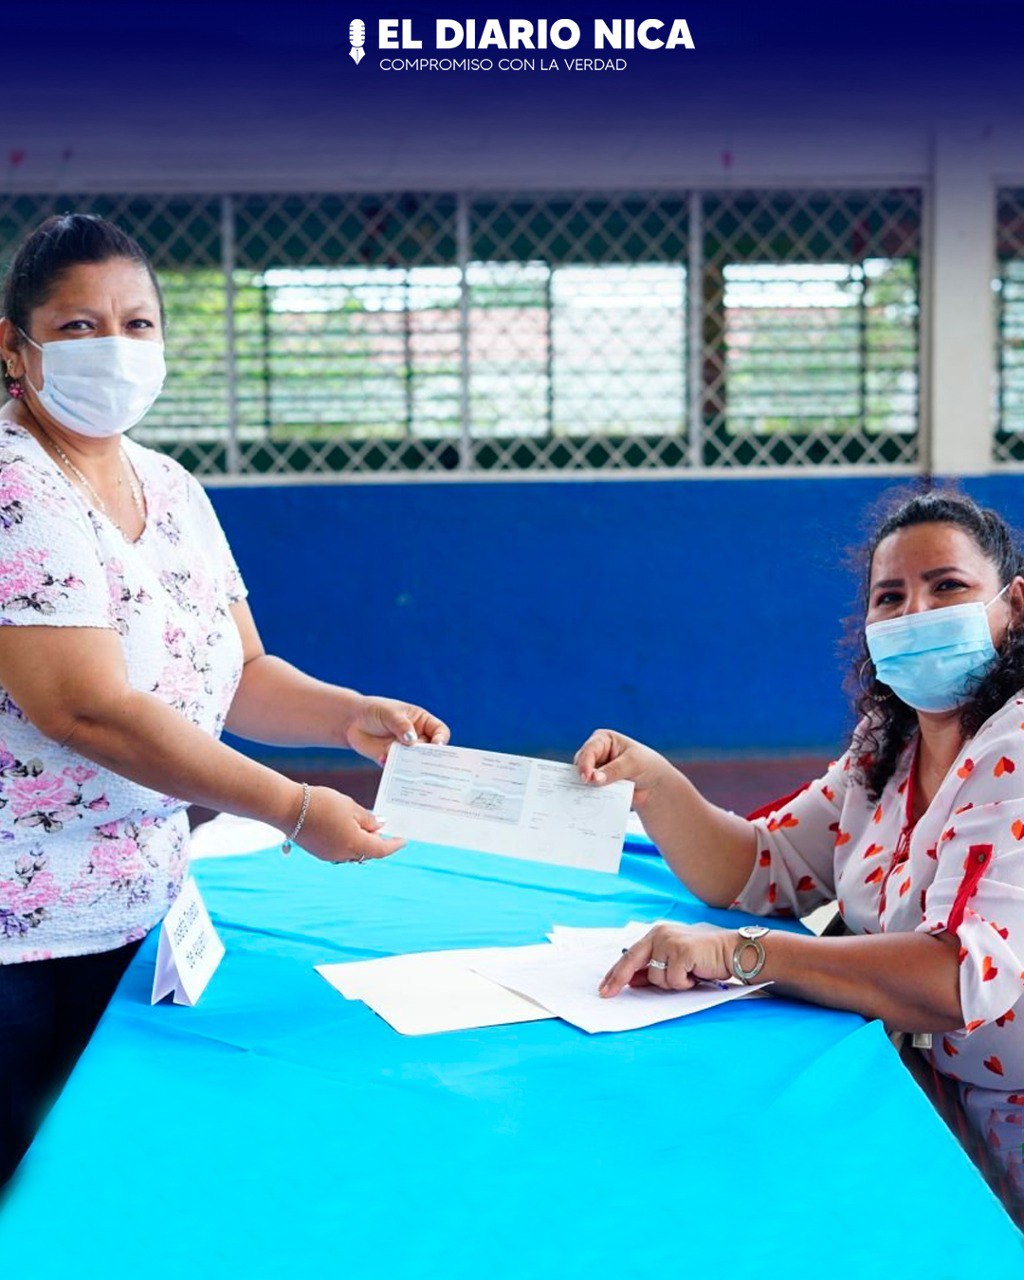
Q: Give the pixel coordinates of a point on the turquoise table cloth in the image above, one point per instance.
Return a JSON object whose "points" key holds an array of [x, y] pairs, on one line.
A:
{"points": [[278, 1130]]}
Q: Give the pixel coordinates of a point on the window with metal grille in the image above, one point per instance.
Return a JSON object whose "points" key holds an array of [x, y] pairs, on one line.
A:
{"points": [[432, 332], [810, 328], [1008, 287], [820, 348]]}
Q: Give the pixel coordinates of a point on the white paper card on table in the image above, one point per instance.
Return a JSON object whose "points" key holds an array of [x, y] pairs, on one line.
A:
{"points": [[540, 810], [430, 991], [622, 935], [189, 950], [589, 937], [566, 981], [634, 827]]}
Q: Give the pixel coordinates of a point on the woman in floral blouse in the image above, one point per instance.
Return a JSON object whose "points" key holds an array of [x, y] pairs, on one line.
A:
{"points": [[126, 646], [917, 830]]}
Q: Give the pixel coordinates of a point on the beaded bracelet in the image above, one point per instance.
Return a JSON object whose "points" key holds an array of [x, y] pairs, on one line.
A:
{"points": [[286, 848]]}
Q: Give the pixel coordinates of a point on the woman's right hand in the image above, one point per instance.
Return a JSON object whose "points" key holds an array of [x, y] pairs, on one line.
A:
{"points": [[607, 756], [337, 829]]}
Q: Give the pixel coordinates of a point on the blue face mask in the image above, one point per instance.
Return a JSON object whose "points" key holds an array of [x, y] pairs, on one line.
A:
{"points": [[929, 659]]}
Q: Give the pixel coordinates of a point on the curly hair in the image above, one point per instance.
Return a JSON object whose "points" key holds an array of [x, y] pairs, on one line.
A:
{"points": [[59, 243], [887, 723]]}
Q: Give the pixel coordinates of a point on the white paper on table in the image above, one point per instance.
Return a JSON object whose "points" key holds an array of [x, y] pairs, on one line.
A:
{"points": [[228, 835], [189, 949], [565, 980], [431, 991], [496, 803], [613, 938], [620, 935], [634, 827]]}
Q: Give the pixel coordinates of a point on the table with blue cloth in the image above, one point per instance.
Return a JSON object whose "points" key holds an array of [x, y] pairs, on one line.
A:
{"points": [[278, 1130]]}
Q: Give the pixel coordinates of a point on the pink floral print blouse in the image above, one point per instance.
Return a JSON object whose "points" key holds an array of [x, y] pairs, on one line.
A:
{"points": [[88, 859]]}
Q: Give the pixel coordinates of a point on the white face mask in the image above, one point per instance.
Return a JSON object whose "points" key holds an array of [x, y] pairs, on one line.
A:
{"points": [[100, 386]]}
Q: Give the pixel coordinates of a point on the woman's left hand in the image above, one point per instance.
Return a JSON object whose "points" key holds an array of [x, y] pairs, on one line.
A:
{"points": [[378, 722], [688, 954]]}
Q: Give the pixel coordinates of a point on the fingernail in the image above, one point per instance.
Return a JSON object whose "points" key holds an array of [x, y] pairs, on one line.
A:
{"points": [[599, 776], [380, 821], [382, 761], [409, 737]]}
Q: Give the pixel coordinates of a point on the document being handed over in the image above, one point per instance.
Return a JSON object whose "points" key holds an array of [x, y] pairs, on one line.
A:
{"points": [[511, 805]]}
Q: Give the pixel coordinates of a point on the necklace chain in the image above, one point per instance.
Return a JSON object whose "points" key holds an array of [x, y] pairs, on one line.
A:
{"points": [[80, 475]]}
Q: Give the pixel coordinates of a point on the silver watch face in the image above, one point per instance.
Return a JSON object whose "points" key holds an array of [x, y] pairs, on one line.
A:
{"points": [[752, 930]]}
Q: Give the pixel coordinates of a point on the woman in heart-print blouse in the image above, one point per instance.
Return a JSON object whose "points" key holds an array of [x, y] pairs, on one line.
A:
{"points": [[916, 831]]}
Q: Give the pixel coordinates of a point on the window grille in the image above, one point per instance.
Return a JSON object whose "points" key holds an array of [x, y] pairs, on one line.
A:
{"points": [[1008, 288], [315, 334], [810, 328]]}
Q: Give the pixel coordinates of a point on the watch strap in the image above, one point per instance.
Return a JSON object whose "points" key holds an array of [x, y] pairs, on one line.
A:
{"points": [[747, 974]]}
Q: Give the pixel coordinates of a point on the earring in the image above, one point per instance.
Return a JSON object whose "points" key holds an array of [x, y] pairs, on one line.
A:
{"points": [[14, 388], [866, 688]]}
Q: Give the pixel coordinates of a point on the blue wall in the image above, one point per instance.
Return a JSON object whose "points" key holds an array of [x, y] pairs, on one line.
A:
{"points": [[697, 615]]}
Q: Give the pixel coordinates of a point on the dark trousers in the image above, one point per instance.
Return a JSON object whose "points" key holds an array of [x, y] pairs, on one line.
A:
{"points": [[48, 1011]]}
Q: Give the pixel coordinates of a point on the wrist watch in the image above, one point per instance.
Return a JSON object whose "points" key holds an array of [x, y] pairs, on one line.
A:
{"points": [[750, 936]]}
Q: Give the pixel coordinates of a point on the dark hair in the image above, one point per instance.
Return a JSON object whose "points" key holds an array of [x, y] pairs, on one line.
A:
{"points": [[890, 722], [57, 244]]}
